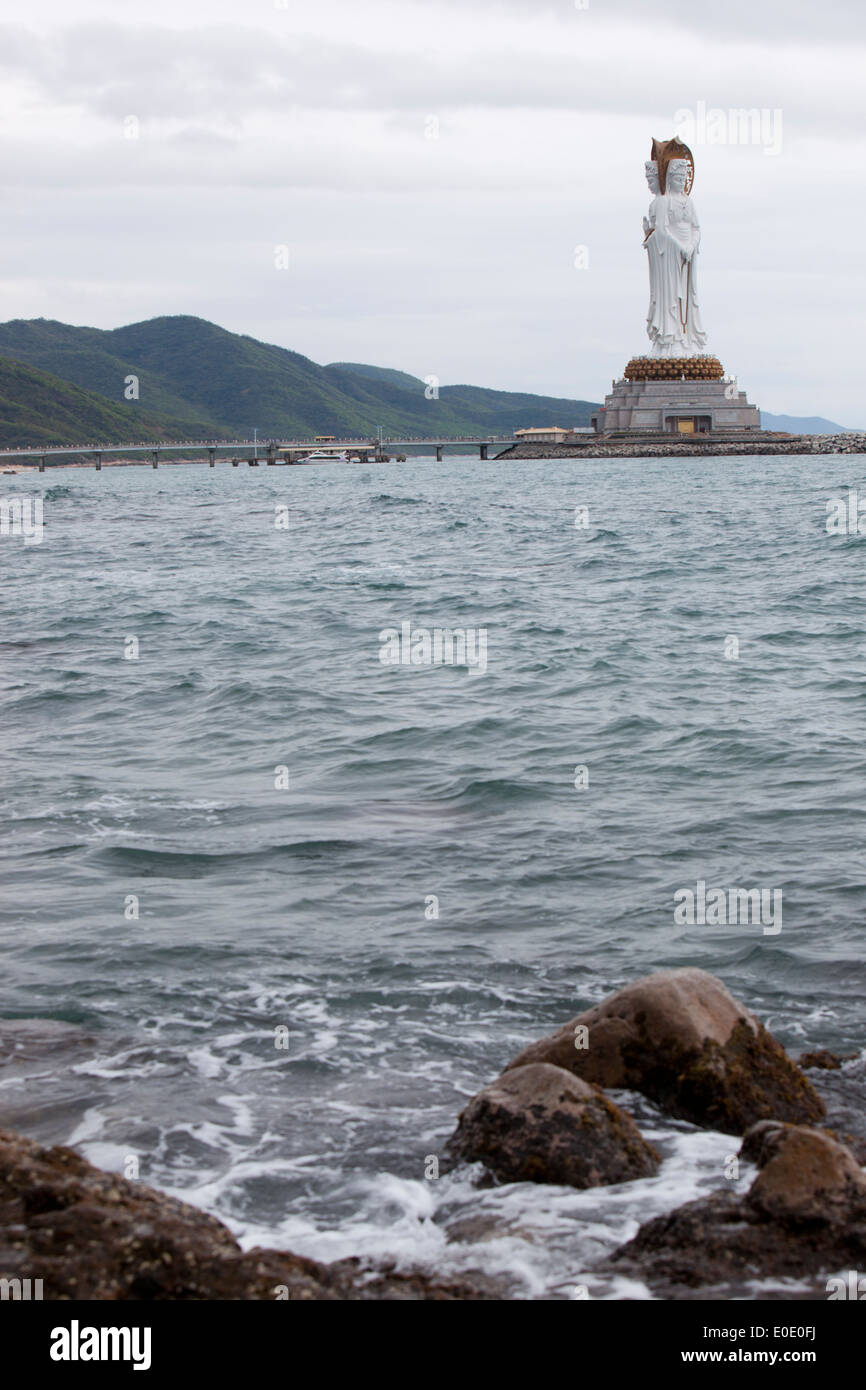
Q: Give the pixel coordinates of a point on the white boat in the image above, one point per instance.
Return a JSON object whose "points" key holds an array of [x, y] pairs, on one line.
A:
{"points": [[321, 457]]}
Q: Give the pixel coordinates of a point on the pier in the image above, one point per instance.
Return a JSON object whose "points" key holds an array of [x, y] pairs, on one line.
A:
{"points": [[271, 453]]}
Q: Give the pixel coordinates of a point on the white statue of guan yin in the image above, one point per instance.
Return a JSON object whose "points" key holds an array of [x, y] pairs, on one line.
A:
{"points": [[672, 236]]}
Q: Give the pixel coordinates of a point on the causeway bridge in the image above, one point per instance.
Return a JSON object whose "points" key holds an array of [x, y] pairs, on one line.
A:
{"points": [[253, 452]]}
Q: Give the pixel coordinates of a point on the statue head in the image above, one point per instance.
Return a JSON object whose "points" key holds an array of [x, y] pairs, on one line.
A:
{"points": [[651, 169], [677, 175], [664, 152]]}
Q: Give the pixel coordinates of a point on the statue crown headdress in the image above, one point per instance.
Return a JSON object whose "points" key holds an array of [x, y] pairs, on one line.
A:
{"points": [[663, 151]]}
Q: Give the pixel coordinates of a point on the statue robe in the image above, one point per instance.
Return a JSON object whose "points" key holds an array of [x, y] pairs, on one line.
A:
{"points": [[674, 318]]}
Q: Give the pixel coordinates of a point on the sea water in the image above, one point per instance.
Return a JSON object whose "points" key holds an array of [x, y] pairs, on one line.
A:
{"points": [[302, 901]]}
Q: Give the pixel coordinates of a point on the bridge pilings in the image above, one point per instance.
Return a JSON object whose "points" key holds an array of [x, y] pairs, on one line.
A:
{"points": [[272, 453]]}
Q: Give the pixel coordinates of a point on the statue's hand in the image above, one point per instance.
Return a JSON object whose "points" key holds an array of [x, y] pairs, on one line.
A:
{"points": [[646, 226]]}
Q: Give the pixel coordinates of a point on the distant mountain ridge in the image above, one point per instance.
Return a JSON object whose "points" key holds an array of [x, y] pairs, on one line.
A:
{"points": [[199, 379], [801, 424], [63, 384]]}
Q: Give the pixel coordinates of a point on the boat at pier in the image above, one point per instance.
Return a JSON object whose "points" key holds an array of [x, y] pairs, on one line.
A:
{"points": [[320, 456]]}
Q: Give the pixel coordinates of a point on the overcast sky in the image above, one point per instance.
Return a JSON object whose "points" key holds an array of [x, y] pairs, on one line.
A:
{"points": [[432, 168]]}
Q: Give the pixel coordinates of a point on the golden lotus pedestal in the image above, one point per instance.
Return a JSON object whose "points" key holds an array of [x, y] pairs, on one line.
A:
{"points": [[674, 369]]}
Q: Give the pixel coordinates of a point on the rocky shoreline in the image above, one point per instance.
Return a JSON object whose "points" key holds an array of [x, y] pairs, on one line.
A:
{"points": [[765, 443], [92, 1235], [805, 1213], [677, 1038]]}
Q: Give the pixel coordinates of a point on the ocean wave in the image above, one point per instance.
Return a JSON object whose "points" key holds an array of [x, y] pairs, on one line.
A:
{"points": [[432, 890]]}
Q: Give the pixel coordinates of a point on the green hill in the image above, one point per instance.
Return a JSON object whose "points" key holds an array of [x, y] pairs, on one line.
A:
{"points": [[198, 379], [38, 408], [87, 357], [412, 383]]}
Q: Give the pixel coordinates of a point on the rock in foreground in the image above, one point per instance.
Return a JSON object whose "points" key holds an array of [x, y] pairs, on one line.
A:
{"points": [[91, 1235], [805, 1174], [539, 1123], [803, 1217], [680, 1038]]}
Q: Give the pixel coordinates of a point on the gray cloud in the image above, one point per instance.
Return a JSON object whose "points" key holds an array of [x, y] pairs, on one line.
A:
{"points": [[227, 71], [840, 20]]}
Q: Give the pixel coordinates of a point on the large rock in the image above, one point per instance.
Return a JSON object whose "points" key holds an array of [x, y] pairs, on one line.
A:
{"points": [[803, 1216], [805, 1174], [541, 1124], [92, 1235], [680, 1038]]}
